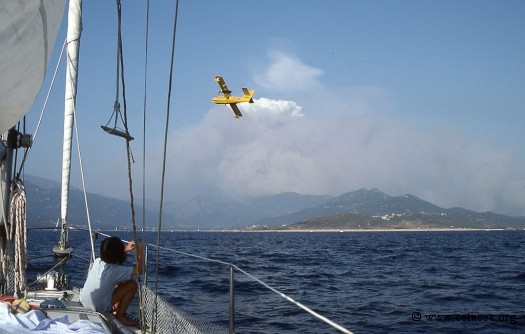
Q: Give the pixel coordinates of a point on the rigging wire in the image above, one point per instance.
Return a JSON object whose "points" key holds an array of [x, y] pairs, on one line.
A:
{"points": [[72, 71], [155, 307], [84, 186], [261, 282], [144, 281], [229, 264], [144, 126], [42, 110]]}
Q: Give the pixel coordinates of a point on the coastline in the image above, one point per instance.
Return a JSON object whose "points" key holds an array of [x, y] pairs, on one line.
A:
{"points": [[330, 230], [377, 230]]}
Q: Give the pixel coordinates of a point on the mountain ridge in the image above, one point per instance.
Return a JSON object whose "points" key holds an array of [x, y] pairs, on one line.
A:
{"points": [[278, 210]]}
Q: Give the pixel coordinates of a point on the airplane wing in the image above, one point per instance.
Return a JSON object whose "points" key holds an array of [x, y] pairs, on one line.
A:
{"points": [[222, 84], [248, 94], [236, 110]]}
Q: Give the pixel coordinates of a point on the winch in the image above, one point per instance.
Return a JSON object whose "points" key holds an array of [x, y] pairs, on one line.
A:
{"points": [[53, 280]]}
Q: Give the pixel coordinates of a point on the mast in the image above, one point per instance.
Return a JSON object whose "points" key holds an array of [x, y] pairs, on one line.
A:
{"points": [[74, 30], [6, 162], [28, 29]]}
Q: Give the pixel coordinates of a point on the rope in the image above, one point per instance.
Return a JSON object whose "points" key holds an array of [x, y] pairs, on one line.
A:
{"points": [[155, 310], [120, 64], [117, 79], [130, 159], [18, 219], [125, 121]]}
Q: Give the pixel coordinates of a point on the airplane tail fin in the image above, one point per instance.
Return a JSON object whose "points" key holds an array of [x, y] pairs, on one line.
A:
{"points": [[248, 94]]}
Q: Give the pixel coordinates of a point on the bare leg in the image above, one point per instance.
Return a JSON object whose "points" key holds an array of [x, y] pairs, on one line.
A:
{"points": [[122, 296]]}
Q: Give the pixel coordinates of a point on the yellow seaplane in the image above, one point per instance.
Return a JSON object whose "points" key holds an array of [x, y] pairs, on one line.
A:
{"points": [[227, 98]]}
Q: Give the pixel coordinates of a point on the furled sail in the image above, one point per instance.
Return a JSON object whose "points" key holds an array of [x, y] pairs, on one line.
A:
{"points": [[74, 29], [28, 29]]}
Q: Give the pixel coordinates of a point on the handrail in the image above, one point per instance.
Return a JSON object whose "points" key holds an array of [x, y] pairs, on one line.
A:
{"points": [[261, 282], [286, 297]]}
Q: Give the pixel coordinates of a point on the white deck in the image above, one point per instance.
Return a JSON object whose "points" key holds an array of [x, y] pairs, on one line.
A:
{"points": [[59, 303]]}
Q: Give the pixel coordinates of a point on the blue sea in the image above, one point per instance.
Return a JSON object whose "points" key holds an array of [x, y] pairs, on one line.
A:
{"points": [[368, 282]]}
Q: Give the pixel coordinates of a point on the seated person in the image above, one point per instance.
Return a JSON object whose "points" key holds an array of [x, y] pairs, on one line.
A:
{"points": [[110, 286]]}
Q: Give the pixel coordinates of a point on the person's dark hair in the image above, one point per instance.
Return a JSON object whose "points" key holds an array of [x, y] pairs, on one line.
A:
{"points": [[112, 251]]}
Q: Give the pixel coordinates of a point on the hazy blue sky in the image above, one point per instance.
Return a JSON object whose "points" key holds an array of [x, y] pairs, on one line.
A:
{"points": [[419, 97]]}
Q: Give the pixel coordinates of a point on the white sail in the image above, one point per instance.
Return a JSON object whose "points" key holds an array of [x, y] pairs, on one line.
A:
{"points": [[74, 30], [28, 29]]}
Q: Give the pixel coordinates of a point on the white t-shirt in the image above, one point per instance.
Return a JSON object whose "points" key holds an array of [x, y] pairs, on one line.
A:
{"points": [[100, 284]]}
